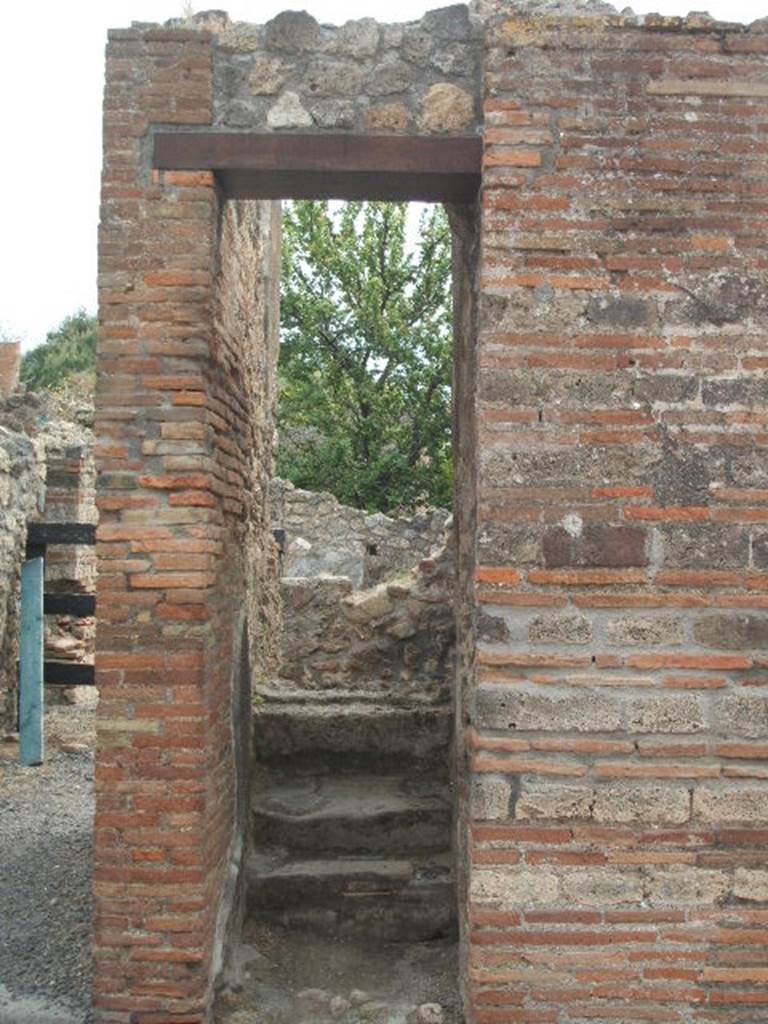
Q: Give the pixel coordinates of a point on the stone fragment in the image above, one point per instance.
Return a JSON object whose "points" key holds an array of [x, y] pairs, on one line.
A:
{"points": [[375, 1011], [339, 1006], [292, 32], [492, 629], [391, 76], [364, 605], [454, 59], [241, 37], [641, 804], [448, 23], [749, 884], [560, 629], [625, 311], [417, 44], [267, 76], [447, 108], [490, 797], [541, 800], [427, 1013], [314, 996], [389, 117], [359, 38], [288, 113], [358, 996], [515, 888], [644, 631], [333, 78]]}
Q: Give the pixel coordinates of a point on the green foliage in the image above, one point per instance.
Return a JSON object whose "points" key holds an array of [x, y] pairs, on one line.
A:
{"points": [[365, 364], [68, 352]]}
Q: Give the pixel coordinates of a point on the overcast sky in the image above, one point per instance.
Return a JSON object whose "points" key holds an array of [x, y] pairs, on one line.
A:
{"points": [[51, 77]]}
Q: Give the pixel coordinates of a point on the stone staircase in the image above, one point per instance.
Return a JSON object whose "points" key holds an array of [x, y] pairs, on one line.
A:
{"points": [[351, 815]]}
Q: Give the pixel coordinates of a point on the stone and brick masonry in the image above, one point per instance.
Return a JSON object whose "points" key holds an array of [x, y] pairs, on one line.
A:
{"points": [[614, 741]]}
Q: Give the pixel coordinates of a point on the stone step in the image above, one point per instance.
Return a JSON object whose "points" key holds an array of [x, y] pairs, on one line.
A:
{"points": [[351, 732], [379, 899], [351, 813]]}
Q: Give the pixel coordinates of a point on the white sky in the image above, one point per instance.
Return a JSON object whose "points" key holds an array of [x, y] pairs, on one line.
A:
{"points": [[51, 84]]}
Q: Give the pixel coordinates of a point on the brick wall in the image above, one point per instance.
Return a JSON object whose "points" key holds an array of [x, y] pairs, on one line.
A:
{"points": [[182, 446], [618, 741]]}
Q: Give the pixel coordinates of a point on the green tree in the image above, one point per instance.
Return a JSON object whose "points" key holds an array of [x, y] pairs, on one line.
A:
{"points": [[365, 363], [69, 351]]}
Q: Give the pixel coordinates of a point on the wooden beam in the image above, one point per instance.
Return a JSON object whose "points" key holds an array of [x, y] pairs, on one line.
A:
{"points": [[293, 166], [42, 534], [79, 605]]}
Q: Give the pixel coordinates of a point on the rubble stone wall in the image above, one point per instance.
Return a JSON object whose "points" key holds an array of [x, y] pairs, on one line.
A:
{"points": [[619, 723], [293, 73], [325, 538], [394, 638], [21, 494]]}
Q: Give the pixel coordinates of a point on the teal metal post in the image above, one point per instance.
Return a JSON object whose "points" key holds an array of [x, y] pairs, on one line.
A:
{"points": [[31, 663]]}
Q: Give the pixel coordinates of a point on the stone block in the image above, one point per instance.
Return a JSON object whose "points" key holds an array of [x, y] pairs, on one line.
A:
{"points": [[602, 887], [742, 715], [514, 888], [288, 112], [447, 108], [644, 631], [267, 76], [731, 805], [687, 886], [674, 713], [560, 629], [595, 545], [333, 78], [551, 801], [511, 709], [490, 798], [641, 804], [704, 546], [293, 32], [732, 632], [751, 884]]}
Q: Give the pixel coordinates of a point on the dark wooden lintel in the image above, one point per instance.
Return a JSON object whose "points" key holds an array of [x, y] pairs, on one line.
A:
{"points": [[41, 534], [79, 605], [253, 165]]}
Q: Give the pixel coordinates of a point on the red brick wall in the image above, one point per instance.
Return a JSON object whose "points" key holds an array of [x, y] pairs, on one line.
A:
{"points": [[176, 464], [618, 742]]}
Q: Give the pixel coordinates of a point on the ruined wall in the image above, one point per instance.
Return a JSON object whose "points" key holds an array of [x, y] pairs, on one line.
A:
{"points": [[21, 494], [183, 460], [619, 721], [393, 638], [293, 73], [324, 537]]}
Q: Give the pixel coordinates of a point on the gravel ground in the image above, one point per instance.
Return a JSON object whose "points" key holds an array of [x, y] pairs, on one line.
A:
{"points": [[46, 817]]}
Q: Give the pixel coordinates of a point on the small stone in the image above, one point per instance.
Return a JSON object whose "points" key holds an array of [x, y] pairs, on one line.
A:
{"points": [[388, 77], [447, 108], [71, 747], [292, 32], [368, 604], [339, 1006], [357, 997], [11, 737], [334, 114], [288, 113], [389, 117], [375, 1011], [315, 996], [333, 78], [356, 38], [427, 1013], [266, 76]]}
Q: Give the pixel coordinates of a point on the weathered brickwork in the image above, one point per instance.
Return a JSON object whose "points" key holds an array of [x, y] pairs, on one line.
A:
{"points": [[180, 504], [611, 739], [619, 723]]}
